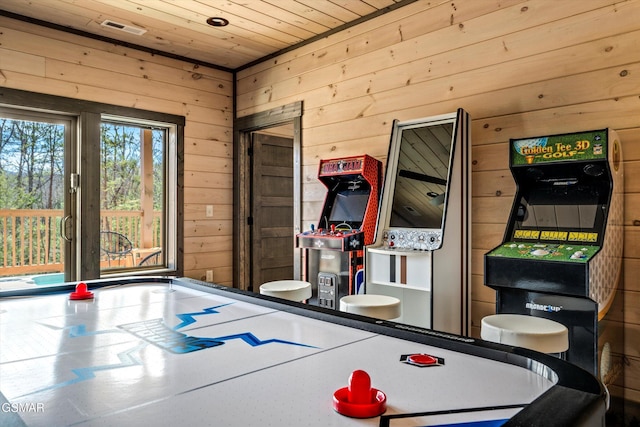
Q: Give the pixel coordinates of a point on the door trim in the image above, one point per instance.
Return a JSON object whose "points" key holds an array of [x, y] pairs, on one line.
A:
{"points": [[243, 127]]}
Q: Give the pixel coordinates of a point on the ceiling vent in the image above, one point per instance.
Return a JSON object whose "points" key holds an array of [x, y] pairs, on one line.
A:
{"points": [[122, 27]]}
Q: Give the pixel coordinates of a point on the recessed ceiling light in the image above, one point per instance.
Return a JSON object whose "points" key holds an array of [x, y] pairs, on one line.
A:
{"points": [[217, 21]]}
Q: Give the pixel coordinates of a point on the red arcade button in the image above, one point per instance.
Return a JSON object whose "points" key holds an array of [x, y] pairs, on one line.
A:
{"points": [[359, 400], [81, 292]]}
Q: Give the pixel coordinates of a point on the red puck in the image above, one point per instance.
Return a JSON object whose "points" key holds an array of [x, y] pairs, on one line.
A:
{"points": [[359, 399], [81, 292]]}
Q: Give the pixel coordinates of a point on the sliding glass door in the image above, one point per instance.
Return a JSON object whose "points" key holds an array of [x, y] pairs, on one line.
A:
{"points": [[37, 198], [86, 194]]}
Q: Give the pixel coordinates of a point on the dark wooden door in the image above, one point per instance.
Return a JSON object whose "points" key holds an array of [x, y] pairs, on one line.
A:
{"points": [[272, 231]]}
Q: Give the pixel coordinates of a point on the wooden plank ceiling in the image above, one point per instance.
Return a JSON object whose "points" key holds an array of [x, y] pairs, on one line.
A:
{"points": [[256, 29]]}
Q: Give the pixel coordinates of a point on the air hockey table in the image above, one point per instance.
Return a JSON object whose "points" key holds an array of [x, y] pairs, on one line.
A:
{"points": [[174, 351]]}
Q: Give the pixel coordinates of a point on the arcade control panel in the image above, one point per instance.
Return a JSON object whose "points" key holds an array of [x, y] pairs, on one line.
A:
{"points": [[342, 245], [412, 240], [576, 252], [332, 239]]}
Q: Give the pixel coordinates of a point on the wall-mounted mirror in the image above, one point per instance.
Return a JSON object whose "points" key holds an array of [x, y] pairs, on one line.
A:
{"points": [[422, 175]]}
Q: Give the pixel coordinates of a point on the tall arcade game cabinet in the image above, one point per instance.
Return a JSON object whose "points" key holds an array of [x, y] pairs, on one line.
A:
{"points": [[422, 251], [334, 247], [561, 257]]}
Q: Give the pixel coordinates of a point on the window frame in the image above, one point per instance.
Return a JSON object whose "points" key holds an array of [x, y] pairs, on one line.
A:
{"points": [[169, 206]]}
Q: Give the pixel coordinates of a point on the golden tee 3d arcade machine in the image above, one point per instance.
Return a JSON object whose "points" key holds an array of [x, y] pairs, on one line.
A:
{"points": [[334, 249], [562, 250]]}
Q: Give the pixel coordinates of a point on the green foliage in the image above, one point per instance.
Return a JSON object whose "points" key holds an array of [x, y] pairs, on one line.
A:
{"points": [[31, 164], [120, 179]]}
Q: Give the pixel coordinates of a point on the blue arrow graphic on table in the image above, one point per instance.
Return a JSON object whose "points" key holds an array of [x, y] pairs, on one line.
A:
{"points": [[188, 318], [254, 341]]}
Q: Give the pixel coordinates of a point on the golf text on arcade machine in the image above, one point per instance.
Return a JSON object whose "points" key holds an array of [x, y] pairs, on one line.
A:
{"points": [[562, 251], [334, 249]]}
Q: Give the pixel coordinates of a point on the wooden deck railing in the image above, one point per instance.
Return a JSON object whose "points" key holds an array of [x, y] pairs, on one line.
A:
{"points": [[30, 240]]}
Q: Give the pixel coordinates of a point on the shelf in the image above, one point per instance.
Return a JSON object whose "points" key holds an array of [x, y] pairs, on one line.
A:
{"points": [[400, 286], [382, 251]]}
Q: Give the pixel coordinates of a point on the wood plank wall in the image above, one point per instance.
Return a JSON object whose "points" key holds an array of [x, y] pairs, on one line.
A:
{"points": [[42, 60], [520, 68]]}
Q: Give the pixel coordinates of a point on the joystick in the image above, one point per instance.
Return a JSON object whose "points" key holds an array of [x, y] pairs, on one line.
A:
{"points": [[81, 292], [359, 399]]}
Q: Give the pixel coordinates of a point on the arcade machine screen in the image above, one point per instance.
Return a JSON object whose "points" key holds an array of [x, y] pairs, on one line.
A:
{"points": [[349, 206], [548, 210]]}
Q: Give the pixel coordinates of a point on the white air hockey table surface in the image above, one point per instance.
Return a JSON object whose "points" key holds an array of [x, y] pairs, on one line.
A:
{"points": [[174, 351]]}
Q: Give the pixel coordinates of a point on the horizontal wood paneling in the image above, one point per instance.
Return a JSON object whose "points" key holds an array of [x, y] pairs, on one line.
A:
{"points": [[52, 62], [207, 227], [519, 68], [382, 70]]}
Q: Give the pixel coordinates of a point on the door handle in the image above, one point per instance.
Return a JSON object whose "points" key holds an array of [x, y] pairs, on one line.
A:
{"points": [[63, 228]]}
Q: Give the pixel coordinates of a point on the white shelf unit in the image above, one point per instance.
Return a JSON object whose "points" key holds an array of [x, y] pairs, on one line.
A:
{"points": [[405, 275]]}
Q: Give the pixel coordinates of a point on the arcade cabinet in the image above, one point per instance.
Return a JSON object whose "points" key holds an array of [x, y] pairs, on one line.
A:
{"points": [[562, 252], [422, 250], [333, 249]]}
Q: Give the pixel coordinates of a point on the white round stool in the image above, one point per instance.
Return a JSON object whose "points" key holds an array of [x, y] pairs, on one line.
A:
{"points": [[534, 333], [376, 306], [292, 290]]}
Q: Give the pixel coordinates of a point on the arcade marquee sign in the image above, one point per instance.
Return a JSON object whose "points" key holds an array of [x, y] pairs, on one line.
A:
{"points": [[567, 147], [339, 166]]}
